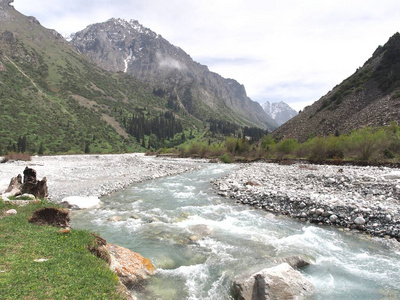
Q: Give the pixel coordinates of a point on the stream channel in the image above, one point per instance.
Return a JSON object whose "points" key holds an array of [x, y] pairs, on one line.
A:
{"points": [[199, 241]]}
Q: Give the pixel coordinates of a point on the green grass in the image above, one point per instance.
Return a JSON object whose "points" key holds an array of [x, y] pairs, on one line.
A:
{"points": [[71, 271]]}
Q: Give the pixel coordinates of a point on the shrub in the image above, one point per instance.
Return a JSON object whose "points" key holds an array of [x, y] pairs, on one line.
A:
{"points": [[225, 158], [17, 156], [365, 143], [286, 147]]}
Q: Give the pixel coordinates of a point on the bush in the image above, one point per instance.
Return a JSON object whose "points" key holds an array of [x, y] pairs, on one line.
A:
{"points": [[286, 147], [365, 143], [17, 156], [225, 158]]}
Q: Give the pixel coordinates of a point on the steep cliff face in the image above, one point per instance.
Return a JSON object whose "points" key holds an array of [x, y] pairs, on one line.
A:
{"points": [[279, 111], [370, 97], [121, 46]]}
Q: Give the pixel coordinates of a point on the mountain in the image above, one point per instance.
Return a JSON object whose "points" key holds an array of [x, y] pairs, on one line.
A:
{"points": [[54, 99], [369, 97], [279, 111], [121, 46]]}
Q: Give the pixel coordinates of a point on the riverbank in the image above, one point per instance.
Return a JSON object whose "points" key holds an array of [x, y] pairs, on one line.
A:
{"points": [[94, 175], [361, 198]]}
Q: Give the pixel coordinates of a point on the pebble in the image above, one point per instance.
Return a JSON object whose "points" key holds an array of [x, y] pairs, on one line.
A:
{"points": [[362, 199], [359, 221]]}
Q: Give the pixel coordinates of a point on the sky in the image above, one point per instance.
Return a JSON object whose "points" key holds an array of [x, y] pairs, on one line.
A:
{"points": [[280, 50]]}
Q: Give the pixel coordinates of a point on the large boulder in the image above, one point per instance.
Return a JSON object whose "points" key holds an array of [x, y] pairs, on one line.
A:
{"points": [[131, 267], [279, 282]]}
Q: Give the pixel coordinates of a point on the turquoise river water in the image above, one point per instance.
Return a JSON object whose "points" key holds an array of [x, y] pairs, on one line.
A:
{"points": [[199, 242]]}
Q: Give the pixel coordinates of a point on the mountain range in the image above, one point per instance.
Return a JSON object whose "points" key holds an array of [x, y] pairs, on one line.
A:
{"points": [[118, 86], [121, 46], [280, 112], [53, 97]]}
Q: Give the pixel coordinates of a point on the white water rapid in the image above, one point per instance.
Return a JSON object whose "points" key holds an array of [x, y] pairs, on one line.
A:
{"points": [[199, 242]]}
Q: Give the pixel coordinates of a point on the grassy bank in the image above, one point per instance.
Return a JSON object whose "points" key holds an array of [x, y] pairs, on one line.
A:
{"points": [[69, 271]]}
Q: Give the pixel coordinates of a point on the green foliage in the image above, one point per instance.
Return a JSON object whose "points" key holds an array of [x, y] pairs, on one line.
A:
{"points": [[225, 158], [286, 147], [367, 144], [70, 272]]}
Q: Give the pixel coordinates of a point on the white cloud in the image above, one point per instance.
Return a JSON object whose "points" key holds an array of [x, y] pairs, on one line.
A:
{"points": [[166, 62], [289, 50]]}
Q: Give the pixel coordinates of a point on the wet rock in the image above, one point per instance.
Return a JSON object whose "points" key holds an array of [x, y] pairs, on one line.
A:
{"points": [[115, 219], [280, 282], [202, 230], [194, 238], [58, 217], [296, 261], [131, 267]]}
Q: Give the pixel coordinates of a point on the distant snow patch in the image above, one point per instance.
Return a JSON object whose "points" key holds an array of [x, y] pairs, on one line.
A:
{"points": [[128, 59]]}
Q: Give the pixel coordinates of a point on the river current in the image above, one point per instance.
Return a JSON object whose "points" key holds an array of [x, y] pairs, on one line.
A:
{"points": [[199, 242]]}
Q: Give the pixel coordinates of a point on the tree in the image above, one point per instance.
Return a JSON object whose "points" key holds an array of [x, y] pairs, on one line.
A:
{"points": [[41, 149], [87, 147]]}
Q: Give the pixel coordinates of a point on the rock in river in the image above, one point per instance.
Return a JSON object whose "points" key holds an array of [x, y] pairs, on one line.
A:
{"points": [[279, 282], [130, 267]]}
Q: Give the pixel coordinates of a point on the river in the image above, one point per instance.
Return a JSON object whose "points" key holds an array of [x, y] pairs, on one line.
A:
{"points": [[199, 242]]}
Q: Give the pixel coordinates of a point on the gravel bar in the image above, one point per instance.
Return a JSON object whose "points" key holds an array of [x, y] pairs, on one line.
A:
{"points": [[361, 198]]}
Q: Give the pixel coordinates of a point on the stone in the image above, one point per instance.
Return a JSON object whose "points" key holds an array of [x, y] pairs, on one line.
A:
{"points": [[202, 230], [41, 260], [279, 282], [78, 202], [331, 180], [359, 221], [194, 238], [131, 267], [11, 212], [319, 211], [333, 218], [392, 176], [30, 196], [58, 217], [115, 219], [64, 231], [295, 261]]}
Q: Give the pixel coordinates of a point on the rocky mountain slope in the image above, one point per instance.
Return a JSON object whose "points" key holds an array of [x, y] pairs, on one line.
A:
{"points": [[121, 46], [370, 97], [54, 99], [281, 112]]}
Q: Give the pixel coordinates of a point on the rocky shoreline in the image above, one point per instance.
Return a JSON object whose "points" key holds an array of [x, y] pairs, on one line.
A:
{"points": [[94, 175], [360, 198]]}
